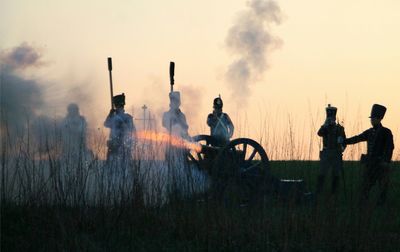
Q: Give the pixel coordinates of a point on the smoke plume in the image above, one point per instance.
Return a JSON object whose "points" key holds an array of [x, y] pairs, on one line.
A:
{"points": [[21, 57], [250, 40], [21, 98], [29, 102]]}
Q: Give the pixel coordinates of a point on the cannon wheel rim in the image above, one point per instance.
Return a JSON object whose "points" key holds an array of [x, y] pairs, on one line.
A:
{"points": [[243, 177], [243, 144], [198, 158]]}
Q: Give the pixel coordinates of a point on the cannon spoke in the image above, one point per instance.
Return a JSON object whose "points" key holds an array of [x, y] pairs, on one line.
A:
{"points": [[253, 154]]}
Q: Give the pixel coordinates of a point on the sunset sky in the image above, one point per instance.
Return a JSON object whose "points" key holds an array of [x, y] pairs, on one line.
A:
{"points": [[341, 52]]}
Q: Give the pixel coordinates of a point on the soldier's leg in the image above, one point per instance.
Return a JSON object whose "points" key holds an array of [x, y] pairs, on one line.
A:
{"points": [[384, 180], [336, 169], [324, 166], [369, 179], [335, 182]]}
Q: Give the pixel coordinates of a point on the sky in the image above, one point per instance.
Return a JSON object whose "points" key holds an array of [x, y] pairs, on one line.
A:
{"points": [[299, 56]]}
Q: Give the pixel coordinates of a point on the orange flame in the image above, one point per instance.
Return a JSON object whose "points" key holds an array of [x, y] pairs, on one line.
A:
{"points": [[176, 141]]}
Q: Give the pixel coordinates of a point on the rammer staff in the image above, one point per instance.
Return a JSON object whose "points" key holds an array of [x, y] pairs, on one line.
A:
{"points": [[111, 83], [171, 74]]}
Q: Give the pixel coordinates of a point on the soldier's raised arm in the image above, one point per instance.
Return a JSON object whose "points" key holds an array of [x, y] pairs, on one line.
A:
{"points": [[108, 121], [211, 120]]}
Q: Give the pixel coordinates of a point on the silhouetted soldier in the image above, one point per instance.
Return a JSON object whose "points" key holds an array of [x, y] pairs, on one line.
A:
{"points": [[174, 120], [122, 130], [333, 136], [74, 129], [220, 124], [379, 154]]}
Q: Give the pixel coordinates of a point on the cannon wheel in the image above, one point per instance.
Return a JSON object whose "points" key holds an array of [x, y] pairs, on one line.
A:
{"points": [[240, 171], [201, 160]]}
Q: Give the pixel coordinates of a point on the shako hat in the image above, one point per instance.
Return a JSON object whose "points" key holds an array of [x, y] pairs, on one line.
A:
{"points": [[378, 111], [119, 100], [331, 111], [175, 96]]}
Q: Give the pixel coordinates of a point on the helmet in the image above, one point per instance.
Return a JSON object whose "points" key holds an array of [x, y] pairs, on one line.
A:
{"points": [[119, 100], [331, 111], [218, 104]]}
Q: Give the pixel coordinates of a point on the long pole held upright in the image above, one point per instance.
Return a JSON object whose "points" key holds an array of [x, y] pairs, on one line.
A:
{"points": [[111, 83], [171, 74]]}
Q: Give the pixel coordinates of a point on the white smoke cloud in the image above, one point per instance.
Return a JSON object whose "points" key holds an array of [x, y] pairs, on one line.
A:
{"points": [[250, 40]]}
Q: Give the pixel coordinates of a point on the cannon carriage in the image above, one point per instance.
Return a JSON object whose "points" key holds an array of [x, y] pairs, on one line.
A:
{"points": [[239, 170]]}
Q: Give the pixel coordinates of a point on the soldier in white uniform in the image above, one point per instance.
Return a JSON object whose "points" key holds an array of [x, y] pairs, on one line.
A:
{"points": [[174, 120], [74, 129]]}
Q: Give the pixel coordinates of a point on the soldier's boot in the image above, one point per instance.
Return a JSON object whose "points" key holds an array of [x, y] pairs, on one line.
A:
{"points": [[320, 184], [335, 183]]}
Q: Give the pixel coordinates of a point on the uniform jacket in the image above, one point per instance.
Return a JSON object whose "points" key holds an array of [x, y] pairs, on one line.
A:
{"points": [[121, 128], [332, 137], [175, 121], [221, 126], [380, 143]]}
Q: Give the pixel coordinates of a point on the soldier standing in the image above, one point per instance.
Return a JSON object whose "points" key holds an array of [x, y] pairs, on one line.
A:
{"points": [[122, 129], [174, 120], [333, 136], [379, 154], [74, 132], [220, 124]]}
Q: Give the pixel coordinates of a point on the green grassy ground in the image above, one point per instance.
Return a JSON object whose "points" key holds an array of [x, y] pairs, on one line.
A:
{"points": [[191, 225]]}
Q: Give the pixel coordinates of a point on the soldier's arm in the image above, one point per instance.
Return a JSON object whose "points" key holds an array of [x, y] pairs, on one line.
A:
{"points": [[389, 146], [230, 125], [356, 139], [132, 127], [184, 124], [343, 134], [322, 131], [129, 122], [165, 121], [108, 121], [211, 120]]}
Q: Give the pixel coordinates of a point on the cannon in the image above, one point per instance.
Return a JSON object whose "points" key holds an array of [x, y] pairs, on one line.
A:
{"points": [[240, 172]]}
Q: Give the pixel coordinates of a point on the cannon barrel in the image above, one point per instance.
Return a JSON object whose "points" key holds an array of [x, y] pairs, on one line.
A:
{"points": [[206, 149]]}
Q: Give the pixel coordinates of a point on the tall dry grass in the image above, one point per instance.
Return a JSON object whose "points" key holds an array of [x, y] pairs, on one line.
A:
{"points": [[53, 199]]}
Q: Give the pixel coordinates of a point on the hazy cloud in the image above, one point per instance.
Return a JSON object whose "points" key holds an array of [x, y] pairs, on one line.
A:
{"points": [[21, 57], [29, 100]]}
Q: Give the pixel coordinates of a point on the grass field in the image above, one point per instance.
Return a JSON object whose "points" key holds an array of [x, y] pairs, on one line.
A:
{"points": [[195, 224]]}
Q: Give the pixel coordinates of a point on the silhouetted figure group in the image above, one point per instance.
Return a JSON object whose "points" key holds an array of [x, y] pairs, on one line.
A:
{"points": [[376, 162]]}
